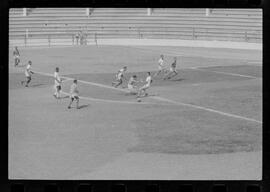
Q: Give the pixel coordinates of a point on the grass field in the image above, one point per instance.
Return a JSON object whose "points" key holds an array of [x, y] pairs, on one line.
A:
{"points": [[210, 113]]}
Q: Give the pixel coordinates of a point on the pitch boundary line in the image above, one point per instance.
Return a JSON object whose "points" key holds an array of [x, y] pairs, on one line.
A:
{"points": [[168, 100], [226, 73]]}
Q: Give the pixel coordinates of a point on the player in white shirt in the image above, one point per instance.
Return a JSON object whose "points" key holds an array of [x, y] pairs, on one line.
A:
{"points": [[119, 77], [74, 94], [16, 55], [141, 92], [173, 71], [28, 72], [161, 67], [57, 83]]}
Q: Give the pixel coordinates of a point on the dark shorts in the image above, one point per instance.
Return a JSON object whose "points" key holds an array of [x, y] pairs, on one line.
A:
{"points": [[28, 78], [58, 87], [75, 97]]}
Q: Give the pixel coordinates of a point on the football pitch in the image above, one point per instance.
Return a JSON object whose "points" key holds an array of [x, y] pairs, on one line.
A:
{"points": [[208, 117]]}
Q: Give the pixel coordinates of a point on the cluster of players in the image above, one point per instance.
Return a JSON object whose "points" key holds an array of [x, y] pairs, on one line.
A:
{"points": [[74, 93], [132, 83]]}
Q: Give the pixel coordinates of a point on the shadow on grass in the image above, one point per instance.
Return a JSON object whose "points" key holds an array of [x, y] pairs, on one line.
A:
{"points": [[37, 85], [180, 79], [83, 106], [65, 97]]}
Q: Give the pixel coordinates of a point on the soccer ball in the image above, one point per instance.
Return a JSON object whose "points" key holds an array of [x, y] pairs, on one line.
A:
{"points": [[139, 100]]}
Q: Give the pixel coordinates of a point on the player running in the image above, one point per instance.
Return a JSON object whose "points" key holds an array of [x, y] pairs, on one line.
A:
{"points": [[28, 72], [119, 77], [57, 83], [142, 90], [16, 55], [173, 71], [161, 67], [74, 94]]}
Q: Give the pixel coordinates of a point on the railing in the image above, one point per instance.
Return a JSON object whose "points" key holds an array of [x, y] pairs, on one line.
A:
{"points": [[91, 37]]}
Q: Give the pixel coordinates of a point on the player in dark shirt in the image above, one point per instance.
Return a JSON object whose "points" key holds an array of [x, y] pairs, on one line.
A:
{"points": [[16, 55], [173, 71]]}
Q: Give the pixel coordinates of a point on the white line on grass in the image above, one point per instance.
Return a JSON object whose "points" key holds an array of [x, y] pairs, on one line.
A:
{"points": [[225, 73], [161, 99], [115, 101], [207, 109], [172, 53]]}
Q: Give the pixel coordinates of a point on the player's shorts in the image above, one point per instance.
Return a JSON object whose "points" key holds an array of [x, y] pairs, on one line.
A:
{"points": [[160, 68], [172, 70], [145, 87], [28, 78], [58, 87], [16, 57], [74, 96]]}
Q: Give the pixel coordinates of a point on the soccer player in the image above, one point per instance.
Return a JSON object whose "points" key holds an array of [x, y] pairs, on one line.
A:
{"points": [[131, 85], [161, 67], [173, 71], [142, 90], [74, 94], [119, 77], [16, 55], [57, 83], [27, 73]]}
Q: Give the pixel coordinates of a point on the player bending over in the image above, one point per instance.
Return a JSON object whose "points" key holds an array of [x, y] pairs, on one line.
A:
{"points": [[142, 90], [28, 72], [132, 85], [57, 83], [16, 55], [119, 77], [74, 94], [161, 67], [173, 71]]}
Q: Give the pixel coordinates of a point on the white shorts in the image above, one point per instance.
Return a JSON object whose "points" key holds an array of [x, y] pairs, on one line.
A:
{"points": [[172, 70], [16, 56], [145, 87]]}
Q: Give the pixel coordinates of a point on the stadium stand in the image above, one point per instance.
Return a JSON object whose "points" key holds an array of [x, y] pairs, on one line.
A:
{"points": [[239, 25]]}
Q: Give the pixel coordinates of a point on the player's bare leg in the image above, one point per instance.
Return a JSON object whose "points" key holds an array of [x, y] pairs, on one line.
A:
{"points": [[77, 103], [175, 73], [28, 81], [71, 101]]}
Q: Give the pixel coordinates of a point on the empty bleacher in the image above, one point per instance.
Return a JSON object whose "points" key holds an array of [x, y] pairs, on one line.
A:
{"points": [[164, 23]]}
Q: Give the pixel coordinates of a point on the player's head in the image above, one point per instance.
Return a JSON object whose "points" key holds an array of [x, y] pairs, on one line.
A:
{"points": [[174, 58], [134, 76], [148, 73], [125, 68], [57, 69], [75, 81], [16, 47], [30, 62], [161, 56]]}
